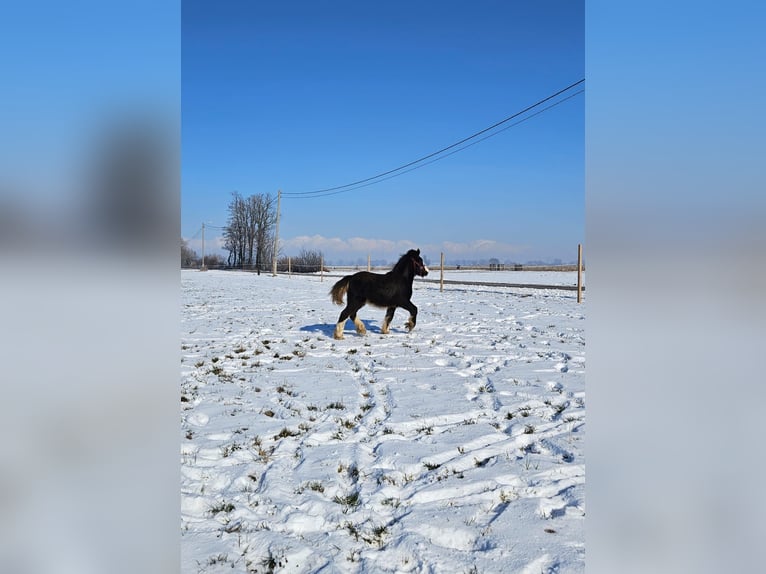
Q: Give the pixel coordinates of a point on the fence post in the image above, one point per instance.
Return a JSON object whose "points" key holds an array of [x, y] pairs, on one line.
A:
{"points": [[289, 267], [368, 262], [579, 273], [441, 281], [321, 269]]}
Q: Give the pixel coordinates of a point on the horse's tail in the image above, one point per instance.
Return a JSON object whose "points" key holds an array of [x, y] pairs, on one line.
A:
{"points": [[339, 290]]}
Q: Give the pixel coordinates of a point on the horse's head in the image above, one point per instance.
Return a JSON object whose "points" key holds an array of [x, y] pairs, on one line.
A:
{"points": [[417, 263]]}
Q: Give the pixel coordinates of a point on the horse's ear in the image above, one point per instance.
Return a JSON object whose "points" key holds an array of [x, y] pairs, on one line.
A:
{"points": [[418, 251]]}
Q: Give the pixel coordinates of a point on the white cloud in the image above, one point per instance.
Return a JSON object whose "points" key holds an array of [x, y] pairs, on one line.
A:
{"points": [[351, 248], [479, 249], [390, 250], [358, 248]]}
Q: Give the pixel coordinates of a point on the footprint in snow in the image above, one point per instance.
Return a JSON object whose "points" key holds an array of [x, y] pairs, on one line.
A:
{"points": [[198, 419]]}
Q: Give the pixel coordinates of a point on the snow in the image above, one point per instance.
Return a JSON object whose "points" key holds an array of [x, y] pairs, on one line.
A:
{"points": [[455, 447]]}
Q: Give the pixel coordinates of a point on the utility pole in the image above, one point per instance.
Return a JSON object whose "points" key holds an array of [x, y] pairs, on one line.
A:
{"points": [[579, 272], [203, 268], [276, 237]]}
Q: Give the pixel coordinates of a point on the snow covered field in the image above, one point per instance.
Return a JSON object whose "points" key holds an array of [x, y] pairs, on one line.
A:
{"points": [[457, 447]]}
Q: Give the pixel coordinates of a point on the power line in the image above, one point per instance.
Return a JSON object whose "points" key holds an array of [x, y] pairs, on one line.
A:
{"points": [[434, 160], [357, 184]]}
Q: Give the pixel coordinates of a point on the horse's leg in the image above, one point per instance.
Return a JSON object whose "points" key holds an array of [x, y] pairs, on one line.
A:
{"points": [[360, 328], [410, 324], [387, 321], [353, 304], [341, 323]]}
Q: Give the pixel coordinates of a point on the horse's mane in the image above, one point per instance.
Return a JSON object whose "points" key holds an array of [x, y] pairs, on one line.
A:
{"points": [[400, 267]]}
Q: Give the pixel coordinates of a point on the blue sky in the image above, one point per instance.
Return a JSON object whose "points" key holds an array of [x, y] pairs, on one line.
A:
{"points": [[300, 96]]}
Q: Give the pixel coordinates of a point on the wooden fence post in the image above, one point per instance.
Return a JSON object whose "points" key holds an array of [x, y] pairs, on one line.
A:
{"points": [[579, 273], [289, 267], [441, 281], [321, 269], [368, 262]]}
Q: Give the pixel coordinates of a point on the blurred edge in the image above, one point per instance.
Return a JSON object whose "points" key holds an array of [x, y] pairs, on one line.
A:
{"points": [[88, 243], [89, 232], [675, 247]]}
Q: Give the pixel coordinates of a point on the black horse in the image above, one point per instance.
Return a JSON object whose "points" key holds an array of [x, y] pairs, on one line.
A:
{"points": [[392, 290]]}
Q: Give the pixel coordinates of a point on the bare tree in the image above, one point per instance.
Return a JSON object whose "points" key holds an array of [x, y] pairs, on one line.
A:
{"points": [[307, 261], [213, 261], [248, 233], [264, 217], [189, 257]]}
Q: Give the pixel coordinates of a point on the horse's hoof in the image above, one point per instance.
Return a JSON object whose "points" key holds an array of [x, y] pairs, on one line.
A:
{"points": [[336, 336]]}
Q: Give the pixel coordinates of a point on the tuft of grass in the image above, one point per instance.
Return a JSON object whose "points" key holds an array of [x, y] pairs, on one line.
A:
{"points": [[392, 502], [230, 448], [219, 559], [286, 432], [529, 429], [426, 430], [506, 497], [221, 507], [337, 405], [481, 463], [316, 486], [349, 500], [271, 562], [529, 464], [353, 530], [431, 465]]}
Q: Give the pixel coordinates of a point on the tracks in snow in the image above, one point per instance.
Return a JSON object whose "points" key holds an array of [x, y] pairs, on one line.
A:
{"points": [[386, 452]]}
